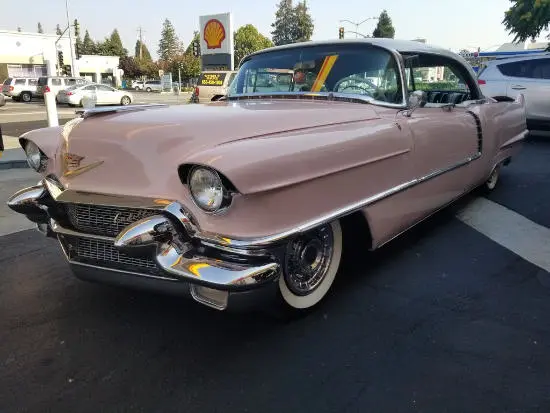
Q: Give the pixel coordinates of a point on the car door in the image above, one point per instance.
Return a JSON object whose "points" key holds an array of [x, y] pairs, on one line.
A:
{"points": [[106, 95], [530, 77], [445, 134]]}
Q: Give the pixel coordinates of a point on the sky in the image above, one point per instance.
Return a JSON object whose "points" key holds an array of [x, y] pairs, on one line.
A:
{"points": [[448, 23]]}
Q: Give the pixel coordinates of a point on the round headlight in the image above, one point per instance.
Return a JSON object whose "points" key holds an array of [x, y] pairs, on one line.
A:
{"points": [[206, 188], [35, 158]]}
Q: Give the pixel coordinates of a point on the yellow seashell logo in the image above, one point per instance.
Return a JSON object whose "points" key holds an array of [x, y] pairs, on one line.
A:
{"points": [[214, 34]]}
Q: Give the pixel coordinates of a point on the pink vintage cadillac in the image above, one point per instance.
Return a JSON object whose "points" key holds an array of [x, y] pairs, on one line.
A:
{"points": [[241, 201]]}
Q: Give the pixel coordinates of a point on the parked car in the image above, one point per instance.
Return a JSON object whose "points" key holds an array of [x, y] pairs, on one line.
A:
{"points": [[137, 85], [505, 79], [152, 85], [212, 85], [101, 94], [54, 84], [20, 88], [2, 100], [244, 201]]}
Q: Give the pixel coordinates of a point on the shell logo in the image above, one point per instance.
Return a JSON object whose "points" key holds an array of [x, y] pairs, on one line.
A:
{"points": [[214, 34]]}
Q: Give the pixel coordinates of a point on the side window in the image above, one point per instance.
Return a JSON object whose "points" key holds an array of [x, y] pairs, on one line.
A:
{"points": [[104, 88], [33, 82], [20, 81], [515, 69], [56, 82], [90, 88], [541, 68], [443, 79]]}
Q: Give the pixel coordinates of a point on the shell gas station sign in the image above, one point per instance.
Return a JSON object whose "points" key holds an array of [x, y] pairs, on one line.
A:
{"points": [[216, 31]]}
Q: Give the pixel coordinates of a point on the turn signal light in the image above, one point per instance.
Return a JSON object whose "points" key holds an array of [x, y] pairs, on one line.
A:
{"points": [[481, 82], [46, 89]]}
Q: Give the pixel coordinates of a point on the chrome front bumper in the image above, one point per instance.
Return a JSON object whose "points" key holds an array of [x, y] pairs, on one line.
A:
{"points": [[168, 238]]}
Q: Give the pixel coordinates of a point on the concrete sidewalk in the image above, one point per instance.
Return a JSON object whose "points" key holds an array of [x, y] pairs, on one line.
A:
{"points": [[13, 156], [12, 181]]}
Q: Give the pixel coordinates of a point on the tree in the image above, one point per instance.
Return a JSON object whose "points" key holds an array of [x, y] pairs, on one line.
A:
{"points": [[144, 51], [283, 27], [384, 28], [58, 30], [130, 66], [292, 24], [527, 19], [40, 29], [304, 23], [115, 46], [189, 65], [248, 40], [169, 44], [196, 38], [88, 45]]}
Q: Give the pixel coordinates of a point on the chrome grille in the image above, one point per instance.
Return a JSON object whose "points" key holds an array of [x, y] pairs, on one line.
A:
{"points": [[104, 254], [104, 220]]}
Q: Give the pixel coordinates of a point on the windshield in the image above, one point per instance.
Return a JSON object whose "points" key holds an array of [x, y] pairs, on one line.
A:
{"points": [[364, 70]]}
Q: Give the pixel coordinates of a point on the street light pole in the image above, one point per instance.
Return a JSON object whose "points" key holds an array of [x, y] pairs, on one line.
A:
{"points": [[73, 61], [359, 24]]}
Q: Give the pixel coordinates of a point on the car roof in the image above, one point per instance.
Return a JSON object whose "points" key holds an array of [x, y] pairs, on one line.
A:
{"points": [[510, 59], [397, 45]]}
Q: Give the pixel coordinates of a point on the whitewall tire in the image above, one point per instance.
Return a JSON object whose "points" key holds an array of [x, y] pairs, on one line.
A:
{"points": [[311, 266], [492, 181]]}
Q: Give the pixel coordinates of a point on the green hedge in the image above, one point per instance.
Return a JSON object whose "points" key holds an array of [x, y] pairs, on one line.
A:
{"points": [[437, 86]]}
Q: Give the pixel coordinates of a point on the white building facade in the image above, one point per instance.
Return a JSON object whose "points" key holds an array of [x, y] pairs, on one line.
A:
{"points": [[35, 54]]}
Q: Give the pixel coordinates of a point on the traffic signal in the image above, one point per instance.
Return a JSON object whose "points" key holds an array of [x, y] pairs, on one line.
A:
{"points": [[67, 70], [196, 48], [76, 28], [60, 59], [341, 33]]}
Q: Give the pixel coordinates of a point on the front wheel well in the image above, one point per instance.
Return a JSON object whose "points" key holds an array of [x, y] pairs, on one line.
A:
{"points": [[356, 233]]}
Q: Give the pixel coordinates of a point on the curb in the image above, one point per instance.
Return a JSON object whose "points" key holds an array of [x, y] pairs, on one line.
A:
{"points": [[13, 164]]}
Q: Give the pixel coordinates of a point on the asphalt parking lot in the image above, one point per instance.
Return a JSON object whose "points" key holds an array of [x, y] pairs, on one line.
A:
{"points": [[448, 318]]}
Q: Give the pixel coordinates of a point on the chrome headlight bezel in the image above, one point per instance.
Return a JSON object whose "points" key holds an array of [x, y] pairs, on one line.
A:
{"points": [[211, 203], [36, 159]]}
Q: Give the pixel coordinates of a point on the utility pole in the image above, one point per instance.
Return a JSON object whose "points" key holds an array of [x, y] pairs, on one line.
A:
{"points": [[73, 62], [140, 43]]}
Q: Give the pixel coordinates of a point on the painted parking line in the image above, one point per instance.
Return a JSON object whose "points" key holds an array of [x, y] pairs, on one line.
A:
{"points": [[40, 112], [513, 231]]}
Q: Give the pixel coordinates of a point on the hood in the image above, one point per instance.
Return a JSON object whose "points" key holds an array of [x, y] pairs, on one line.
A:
{"points": [[138, 152]]}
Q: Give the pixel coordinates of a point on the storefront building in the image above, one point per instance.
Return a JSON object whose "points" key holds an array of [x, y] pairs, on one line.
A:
{"points": [[25, 54]]}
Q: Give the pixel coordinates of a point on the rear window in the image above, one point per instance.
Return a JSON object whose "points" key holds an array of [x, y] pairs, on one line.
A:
{"points": [[8, 81], [42, 81], [211, 79], [56, 82]]}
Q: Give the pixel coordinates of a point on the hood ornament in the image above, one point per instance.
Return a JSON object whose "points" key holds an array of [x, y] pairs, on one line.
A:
{"points": [[71, 165]]}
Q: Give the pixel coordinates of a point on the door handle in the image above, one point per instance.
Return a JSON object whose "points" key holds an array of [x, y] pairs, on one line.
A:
{"points": [[518, 87]]}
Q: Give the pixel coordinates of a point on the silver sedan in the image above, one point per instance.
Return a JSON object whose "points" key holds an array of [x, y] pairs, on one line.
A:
{"points": [[94, 94]]}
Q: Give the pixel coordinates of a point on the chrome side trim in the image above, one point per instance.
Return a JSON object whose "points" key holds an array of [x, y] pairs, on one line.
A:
{"points": [[88, 113], [236, 244]]}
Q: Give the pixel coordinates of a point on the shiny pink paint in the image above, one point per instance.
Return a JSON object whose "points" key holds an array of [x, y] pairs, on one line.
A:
{"points": [[292, 161]]}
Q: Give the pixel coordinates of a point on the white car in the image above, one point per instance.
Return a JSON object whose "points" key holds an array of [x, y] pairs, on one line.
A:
{"points": [[505, 79], [101, 94]]}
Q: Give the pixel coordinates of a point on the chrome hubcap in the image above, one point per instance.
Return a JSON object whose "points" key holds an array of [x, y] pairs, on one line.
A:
{"points": [[308, 259]]}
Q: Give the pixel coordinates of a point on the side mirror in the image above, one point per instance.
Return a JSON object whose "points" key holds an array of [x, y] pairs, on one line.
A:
{"points": [[417, 99]]}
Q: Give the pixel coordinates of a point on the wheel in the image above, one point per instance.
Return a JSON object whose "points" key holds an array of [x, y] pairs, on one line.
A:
{"points": [[148, 89], [311, 263], [26, 97], [492, 181], [125, 100], [136, 88]]}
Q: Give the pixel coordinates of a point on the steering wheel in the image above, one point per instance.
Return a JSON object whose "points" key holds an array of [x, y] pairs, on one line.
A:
{"points": [[352, 86]]}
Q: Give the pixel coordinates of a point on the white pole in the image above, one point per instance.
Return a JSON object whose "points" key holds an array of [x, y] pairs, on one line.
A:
{"points": [[51, 109], [73, 62]]}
